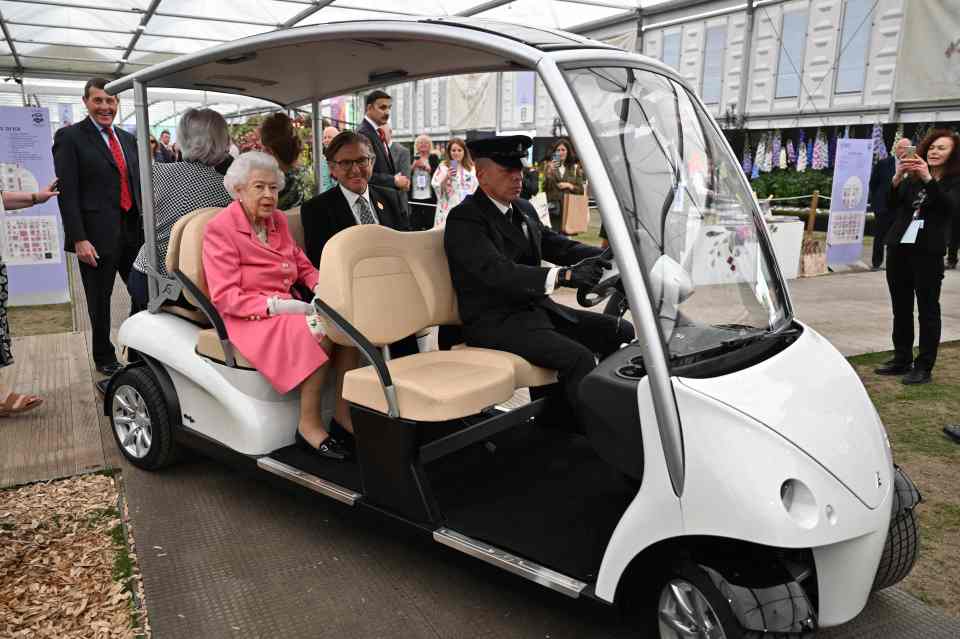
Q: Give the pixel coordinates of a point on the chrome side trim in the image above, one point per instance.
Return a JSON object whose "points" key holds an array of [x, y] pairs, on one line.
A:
{"points": [[314, 483], [511, 563]]}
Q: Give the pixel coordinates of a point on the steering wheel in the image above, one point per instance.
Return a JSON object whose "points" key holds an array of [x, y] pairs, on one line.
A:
{"points": [[607, 286]]}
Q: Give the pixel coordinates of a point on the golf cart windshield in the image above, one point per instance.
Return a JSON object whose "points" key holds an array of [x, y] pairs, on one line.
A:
{"points": [[691, 217]]}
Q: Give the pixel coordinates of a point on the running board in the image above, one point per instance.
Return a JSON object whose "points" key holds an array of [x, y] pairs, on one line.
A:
{"points": [[511, 563], [314, 483]]}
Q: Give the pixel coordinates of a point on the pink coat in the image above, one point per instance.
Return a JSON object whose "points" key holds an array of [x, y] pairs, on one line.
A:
{"points": [[242, 274]]}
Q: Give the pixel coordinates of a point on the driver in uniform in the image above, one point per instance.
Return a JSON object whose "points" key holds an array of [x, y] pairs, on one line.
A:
{"points": [[495, 243]]}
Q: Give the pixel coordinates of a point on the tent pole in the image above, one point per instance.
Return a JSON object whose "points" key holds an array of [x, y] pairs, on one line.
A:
{"points": [[317, 132], [146, 181]]}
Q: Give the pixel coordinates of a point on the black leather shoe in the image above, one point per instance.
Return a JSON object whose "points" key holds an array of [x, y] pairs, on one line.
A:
{"points": [[331, 448], [892, 367], [916, 376], [109, 369], [343, 436], [953, 432]]}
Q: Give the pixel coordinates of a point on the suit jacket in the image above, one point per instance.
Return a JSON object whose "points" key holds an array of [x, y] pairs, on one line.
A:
{"points": [[383, 167], [496, 270], [880, 180], [329, 213], [941, 202], [401, 158], [89, 197]]}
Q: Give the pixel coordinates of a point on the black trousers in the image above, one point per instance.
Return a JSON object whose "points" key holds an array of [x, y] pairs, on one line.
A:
{"points": [[570, 348], [954, 240], [911, 275], [98, 287], [881, 226]]}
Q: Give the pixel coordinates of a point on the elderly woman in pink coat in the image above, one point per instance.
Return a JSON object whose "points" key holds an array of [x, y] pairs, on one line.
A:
{"points": [[251, 262]]}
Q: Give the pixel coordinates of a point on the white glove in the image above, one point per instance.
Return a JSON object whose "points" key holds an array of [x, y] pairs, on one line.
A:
{"points": [[280, 306]]}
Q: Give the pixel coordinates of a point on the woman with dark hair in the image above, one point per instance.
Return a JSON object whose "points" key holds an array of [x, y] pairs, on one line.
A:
{"points": [[453, 180], [561, 174], [280, 139], [924, 199]]}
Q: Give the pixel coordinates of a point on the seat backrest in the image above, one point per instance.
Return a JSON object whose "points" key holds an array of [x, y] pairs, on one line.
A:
{"points": [[387, 283], [295, 225], [176, 234], [190, 258]]}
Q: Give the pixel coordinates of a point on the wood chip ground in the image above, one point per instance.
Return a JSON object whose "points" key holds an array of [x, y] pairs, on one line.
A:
{"points": [[64, 568]]}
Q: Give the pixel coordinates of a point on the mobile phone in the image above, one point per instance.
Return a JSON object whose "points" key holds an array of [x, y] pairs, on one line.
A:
{"points": [[911, 152], [55, 184], [453, 166]]}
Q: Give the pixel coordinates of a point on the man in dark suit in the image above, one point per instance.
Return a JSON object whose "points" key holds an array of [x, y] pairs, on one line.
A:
{"points": [[494, 244], [880, 180], [401, 161], [352, 201], [96, 164], [385, 172]]}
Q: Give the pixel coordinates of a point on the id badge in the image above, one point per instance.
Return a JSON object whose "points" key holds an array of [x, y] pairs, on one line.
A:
{"points": [[910, 235], [421, 181]]}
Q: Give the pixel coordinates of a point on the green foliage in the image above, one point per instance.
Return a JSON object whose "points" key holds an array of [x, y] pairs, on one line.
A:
{"points": [[790, 183]]}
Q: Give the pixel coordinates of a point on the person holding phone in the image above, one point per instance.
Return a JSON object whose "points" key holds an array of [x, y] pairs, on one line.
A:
{"points": [[453, 180], [12, 403], [562, 174], [423, 200], [880, 185], [925, 197]]}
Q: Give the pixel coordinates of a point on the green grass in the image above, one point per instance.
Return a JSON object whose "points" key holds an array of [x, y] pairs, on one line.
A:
{"points": [[40, 320]]}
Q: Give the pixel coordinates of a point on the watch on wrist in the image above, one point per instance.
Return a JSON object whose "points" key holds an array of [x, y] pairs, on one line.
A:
{"points": [[33, 198]]}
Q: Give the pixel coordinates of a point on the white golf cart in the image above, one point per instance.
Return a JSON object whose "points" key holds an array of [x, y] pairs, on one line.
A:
{"points": [[734, 477]]}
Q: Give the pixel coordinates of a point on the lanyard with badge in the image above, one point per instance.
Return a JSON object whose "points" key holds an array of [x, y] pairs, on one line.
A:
{"points": [[910, 235]]}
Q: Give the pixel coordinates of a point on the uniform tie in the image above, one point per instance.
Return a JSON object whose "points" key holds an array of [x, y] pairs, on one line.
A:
{"points": [[383, 139], [517, 218], [126, 200], [364, 212]]}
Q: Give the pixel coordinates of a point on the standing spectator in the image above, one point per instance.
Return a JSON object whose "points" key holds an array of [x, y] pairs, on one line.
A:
{"points": [[423, 201], [280, 140], [401, 160], [454, 179], [15, 403], [561, 174], [378, 105], [167, 154], [326, 180], [925, 197], [880, 185], [96, 163], [531, 181], [182, 187], [155, 153]]}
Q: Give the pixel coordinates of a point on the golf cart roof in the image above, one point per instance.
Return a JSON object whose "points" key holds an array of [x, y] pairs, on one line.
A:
{"points": [[295, 66]]}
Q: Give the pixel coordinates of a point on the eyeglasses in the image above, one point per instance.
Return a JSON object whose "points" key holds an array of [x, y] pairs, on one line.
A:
{"points": [[346, 165]]}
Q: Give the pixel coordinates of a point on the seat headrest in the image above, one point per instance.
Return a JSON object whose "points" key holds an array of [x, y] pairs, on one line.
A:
{"points": [[190, 258], [388, 284], [295, 226]]}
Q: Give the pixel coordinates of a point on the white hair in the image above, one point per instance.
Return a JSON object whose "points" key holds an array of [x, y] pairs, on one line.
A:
{"points": [[239, 171], [203, 136]]}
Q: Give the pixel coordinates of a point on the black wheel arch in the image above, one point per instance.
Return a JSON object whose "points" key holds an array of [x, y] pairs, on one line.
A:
{"points": [[162, 377]]}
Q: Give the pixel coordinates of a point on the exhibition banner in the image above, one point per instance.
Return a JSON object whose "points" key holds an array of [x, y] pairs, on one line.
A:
{"points": [[928, 58], [848, 200], [30, 238]]}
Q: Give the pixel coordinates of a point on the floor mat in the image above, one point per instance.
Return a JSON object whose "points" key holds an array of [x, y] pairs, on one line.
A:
{"points": [[342, 473]]}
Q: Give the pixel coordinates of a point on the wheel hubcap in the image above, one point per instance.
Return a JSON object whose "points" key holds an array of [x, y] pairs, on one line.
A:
{"points": [[685, 613], [131, 422]]}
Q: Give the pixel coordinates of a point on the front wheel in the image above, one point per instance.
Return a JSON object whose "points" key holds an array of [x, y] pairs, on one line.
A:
{"points": [[141, 424], [691, 606]]}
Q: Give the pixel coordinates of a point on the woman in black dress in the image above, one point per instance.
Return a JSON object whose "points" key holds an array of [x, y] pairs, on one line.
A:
{"points": [[924, 200]]}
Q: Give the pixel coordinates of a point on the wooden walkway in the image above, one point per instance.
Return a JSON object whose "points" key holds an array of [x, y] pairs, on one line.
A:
{"points": [[67, 435]]}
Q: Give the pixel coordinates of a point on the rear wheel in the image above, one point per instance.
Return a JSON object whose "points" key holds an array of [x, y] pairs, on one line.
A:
{"points": [[141, 424], [690, 606], [903, 539]]}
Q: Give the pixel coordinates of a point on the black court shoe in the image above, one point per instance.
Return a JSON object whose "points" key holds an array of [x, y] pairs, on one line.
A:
{"points": [[953, 432], [893, 367], [917, 376], [331, 448]]}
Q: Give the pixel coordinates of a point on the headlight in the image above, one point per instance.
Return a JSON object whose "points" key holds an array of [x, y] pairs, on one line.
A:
{"points": [[799, 503]]}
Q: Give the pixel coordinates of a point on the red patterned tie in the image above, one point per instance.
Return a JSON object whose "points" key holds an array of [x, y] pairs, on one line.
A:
{"points": [[126, 201], [383, 139]]}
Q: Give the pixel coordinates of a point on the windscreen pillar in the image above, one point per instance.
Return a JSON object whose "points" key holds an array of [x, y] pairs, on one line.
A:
{"points": [[146, 181], [317, 132]]}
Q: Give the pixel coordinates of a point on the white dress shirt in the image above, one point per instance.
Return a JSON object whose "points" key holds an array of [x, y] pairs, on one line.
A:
{"points": [[551, 282], [352, 201]]}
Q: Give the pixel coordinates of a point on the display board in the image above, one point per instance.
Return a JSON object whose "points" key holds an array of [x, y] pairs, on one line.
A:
{"points": [[848, 200], [30, 238]]}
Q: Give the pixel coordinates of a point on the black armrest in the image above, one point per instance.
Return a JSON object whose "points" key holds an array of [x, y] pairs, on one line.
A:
{"points": [[368, 349], [208, 309]]}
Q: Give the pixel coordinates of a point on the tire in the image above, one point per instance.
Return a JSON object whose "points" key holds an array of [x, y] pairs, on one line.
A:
{"points": [[687, 597], [140, 421], [902, 546]]}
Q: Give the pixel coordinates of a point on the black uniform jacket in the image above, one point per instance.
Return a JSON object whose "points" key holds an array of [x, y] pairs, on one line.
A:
{"points": [[89, 197], [329, 213], [496, 270], [939, 202], [383, 167]]}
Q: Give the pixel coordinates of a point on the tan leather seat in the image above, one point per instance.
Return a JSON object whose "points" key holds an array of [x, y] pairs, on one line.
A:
{"points": [[208, 345], [173, 262], [295, 225], [389, 285]]}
